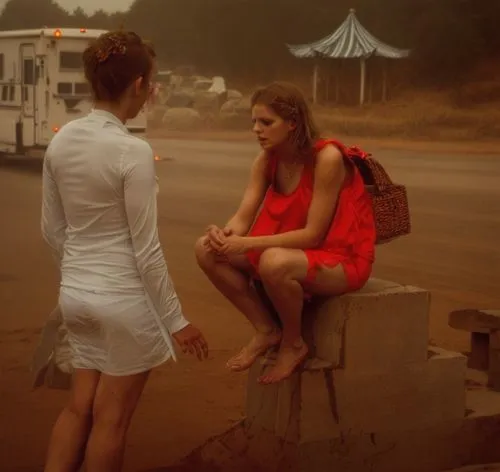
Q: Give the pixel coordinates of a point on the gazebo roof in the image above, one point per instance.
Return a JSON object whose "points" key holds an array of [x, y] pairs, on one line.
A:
{"points": [[351, 40]]}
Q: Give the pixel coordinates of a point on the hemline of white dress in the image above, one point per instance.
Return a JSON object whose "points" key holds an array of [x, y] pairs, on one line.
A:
{"points": [[138, 371]]}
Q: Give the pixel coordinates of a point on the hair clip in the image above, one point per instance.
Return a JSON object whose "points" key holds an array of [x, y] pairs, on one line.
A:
{"points": [[114, 47]]}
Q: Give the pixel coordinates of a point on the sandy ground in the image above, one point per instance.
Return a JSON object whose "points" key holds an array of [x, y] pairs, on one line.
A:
{"points": [[453, 251]]}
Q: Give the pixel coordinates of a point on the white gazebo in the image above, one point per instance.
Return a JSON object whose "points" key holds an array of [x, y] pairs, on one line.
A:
{"points": [[350, 41]]}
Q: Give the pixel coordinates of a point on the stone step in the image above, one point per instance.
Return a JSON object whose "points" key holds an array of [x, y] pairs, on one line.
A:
{"points": [[382, 326], [322, 404], [475, 439]]}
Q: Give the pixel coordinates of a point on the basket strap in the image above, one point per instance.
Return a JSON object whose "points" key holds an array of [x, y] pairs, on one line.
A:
{"points": [[380, 176]]}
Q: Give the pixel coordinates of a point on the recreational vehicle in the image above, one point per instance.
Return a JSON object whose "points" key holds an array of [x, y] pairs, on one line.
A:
{"points": [[42, 87]]}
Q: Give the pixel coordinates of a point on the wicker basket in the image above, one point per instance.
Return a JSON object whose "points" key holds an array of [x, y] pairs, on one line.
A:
{"points": [[390, 200]]}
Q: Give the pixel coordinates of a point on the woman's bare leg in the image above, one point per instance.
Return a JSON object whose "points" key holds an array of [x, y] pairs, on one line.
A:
{"points": [[283, 271], [115, 402], [230, 277], [70, 433]]}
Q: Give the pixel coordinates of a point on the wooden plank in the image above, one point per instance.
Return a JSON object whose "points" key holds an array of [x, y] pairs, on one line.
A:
{"points": [[475, 321]]}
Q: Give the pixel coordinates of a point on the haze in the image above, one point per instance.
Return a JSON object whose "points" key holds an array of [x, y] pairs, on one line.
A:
{"points": [[93, 5]]}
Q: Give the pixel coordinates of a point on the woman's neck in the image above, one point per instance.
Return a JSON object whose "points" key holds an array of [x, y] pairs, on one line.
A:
{"points": [[287, 152], [116, 109]]}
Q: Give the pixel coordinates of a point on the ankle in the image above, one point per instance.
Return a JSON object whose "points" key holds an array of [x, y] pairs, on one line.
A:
{"points": [[267, 330]]}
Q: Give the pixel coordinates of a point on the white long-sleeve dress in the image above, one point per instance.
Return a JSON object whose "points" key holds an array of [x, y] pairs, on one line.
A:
{"points": [[99, 216]]}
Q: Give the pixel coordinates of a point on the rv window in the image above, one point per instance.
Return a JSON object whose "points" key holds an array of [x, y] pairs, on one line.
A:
{"points": [[70, 60], [2, 61], [5, 93], [65, 88], [12, 93]]}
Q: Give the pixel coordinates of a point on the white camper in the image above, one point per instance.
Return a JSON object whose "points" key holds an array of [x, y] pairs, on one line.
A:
{"points": [[42, 86]]}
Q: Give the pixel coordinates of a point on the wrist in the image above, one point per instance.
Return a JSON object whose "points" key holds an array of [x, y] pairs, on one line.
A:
{"points": [[252, 242], [178, 324]]}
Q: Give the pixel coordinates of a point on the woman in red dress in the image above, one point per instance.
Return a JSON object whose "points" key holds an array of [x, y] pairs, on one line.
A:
{"points": [[304, 227]]}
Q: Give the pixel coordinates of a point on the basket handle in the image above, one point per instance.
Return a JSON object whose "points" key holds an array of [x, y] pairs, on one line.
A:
{"points": [[380, 176], [381, 179]]}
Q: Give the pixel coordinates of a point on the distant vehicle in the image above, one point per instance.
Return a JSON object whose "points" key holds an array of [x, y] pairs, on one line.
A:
{"points": [[42, 87]]}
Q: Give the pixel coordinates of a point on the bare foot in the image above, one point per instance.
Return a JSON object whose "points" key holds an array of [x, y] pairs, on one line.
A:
{"points": [[257, 346], [288, 360]]}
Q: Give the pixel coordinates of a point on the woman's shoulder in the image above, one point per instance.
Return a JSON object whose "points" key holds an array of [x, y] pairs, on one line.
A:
{"points": [[322, 144], [328, 153], [138, 147], [329, 163]]}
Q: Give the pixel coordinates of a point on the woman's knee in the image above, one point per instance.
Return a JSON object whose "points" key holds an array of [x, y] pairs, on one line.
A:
{"points": [[81, 408], [111, 416], [278, 265], [204, 256], [116, 401]]}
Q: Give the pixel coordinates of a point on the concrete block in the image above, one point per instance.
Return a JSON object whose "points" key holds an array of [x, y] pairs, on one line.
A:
{"points": [[414, 396], [380, 327], [322, 404], [273, 408], [474, 439]]}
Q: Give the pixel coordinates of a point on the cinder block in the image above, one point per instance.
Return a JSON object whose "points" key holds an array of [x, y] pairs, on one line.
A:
{"points": [[324, 404], [381, 327], [445, 445], [413, 396], [274, 408]]}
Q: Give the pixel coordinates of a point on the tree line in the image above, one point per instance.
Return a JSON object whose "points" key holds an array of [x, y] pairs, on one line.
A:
{"points": [[247, 38]]}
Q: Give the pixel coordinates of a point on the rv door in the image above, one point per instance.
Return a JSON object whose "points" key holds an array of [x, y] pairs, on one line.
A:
{"points": [[28, 93]]}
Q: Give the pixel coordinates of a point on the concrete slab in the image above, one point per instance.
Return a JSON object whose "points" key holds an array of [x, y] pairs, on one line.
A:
{"points": [[382, 326]]}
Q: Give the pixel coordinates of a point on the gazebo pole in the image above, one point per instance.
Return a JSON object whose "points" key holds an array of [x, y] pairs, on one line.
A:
{"points": [[363, 82], [337, 81], [384, 81], [315, 81]]}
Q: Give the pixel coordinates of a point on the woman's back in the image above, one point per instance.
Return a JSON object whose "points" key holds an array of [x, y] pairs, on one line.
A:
{"points": [[88, 161]]}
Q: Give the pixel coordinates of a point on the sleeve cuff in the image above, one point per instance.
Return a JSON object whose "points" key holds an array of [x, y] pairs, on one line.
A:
{"points": [[177, 324]]}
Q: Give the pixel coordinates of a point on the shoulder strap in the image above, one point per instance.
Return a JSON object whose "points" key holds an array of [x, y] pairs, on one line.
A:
{"points": [[322, 143]]}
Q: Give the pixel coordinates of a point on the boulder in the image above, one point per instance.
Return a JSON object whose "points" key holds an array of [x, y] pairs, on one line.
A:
{"points": [[182, 119]]}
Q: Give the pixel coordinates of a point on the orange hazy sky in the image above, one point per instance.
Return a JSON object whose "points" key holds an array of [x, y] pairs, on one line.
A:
{"points": [[92, 5]]}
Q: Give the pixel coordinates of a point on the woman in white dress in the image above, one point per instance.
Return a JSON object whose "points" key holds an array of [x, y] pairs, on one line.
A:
{"points": [[99, 216]]}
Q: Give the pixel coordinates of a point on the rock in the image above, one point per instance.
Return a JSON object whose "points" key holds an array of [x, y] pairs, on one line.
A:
{"points": [[241, 106], [234, 95], [182, 119], [206, 101], [235, 114], [180, 99]]}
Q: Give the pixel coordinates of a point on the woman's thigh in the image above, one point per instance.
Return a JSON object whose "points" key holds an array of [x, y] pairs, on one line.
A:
{"points": [[306, 267], [83, 390], [327, 280], [240, 262]]}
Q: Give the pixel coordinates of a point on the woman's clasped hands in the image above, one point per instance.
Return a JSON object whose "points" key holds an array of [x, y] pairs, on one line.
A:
{"points": [[223, 242]]}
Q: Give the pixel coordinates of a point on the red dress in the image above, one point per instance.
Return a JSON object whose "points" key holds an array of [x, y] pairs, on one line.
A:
{"points": [[350, 241]]}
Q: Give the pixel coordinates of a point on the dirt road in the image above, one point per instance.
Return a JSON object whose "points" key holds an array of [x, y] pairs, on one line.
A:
{"points": [[453, 251]]}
